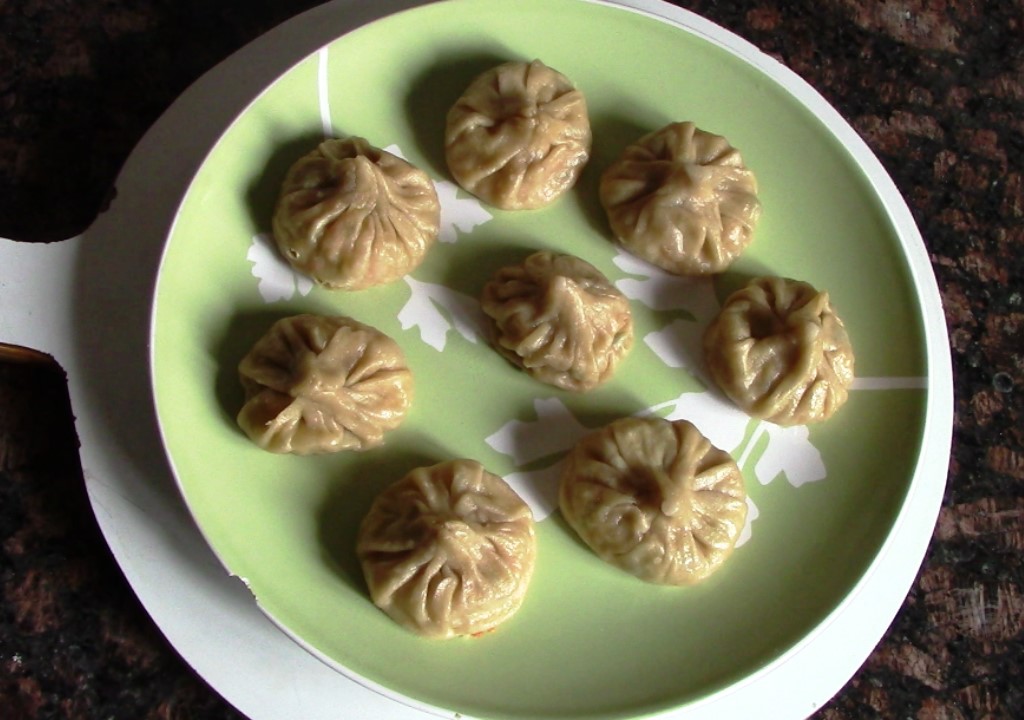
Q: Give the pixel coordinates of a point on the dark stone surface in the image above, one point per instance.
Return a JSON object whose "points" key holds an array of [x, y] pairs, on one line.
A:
{"points": [[935, 88]]}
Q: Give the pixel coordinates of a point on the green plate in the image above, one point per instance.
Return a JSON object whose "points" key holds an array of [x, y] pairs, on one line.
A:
{"points": [[590, 641]]}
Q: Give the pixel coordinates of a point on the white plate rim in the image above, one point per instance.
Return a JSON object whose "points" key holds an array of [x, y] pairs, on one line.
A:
{"points": [[928, 484]]}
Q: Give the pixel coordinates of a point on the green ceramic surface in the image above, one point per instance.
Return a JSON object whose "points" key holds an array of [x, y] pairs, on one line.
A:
{"points": [[590, 641]]}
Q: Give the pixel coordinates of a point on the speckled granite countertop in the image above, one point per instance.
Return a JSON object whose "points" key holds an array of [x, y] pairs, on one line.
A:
{"points": [[935, 88]]}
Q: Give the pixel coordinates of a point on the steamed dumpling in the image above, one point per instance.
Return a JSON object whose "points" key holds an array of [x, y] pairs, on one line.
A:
{"points": [[448, 550], [519, 136], [318, 384], [654, 498], [557, 317], [352, 216], [780, 352], [682, 199]]}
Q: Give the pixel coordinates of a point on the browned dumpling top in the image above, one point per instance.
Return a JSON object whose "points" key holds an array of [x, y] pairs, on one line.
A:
{"points": [[316, 384], [681, 198], [352, 216], [448, 550], [780, 352], [560, 319], [654, 498], [519, 136]]}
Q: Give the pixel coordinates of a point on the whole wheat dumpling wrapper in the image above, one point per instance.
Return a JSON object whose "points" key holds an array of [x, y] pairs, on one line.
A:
{"points": [[352, 216], [560, 319], [316, 384], [682, 199], [780, 352], [654, 498], [448, 550], [519, 136]]}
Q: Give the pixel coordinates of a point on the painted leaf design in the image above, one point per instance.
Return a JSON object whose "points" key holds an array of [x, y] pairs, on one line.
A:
{"points": [[720, 421], [660, 290], [679, 345], [277, 280], [458, 214], [436, 309], [790, 453], [538, 489], [752, 514], [555, 430]]}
